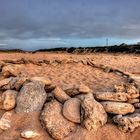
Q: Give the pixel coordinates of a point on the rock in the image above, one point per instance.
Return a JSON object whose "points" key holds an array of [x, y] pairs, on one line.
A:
{"points": [[107, 69], [137, 105], [94, 113], [112, 96], [50, 88], [120, 88], [50, 97], [128, 123], [71, 110], [45, 80], [72, 91], [84, 89], [31, 97], [8, 83], [5, 121], [80, 96], [57, 126], [132, 91], [60, 95], [9, 99], [133, 101], [29, 134], [13, 70], [1, 100], [18, 84], [84, 62], [118, 107]]}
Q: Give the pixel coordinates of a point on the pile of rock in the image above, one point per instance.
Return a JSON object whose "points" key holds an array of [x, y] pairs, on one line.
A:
{"points": [[122, 103], [61, 111]]}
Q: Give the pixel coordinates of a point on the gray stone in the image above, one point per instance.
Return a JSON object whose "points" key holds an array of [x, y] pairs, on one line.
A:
{"points": [[94, 113], [128, 123], [31, 97], [55, 123], [118, 107], [71, 110]]}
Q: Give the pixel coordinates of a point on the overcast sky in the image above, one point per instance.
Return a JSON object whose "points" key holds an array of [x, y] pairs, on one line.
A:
{"points": [[35, 24]]}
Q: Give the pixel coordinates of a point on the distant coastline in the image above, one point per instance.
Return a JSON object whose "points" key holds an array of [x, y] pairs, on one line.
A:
{"points": [[123, 48]]}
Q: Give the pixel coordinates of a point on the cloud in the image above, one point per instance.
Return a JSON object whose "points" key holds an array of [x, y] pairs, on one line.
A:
{"points": [[53, 20]]}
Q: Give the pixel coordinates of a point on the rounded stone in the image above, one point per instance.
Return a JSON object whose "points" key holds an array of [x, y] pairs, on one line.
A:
{"points": [[119, 108], [71, 110], [9, 99], [55, 123], [60, 95]]}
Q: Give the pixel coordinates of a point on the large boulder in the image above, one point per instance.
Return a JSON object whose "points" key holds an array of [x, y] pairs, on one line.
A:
{"points": [[112, 96], [9, 99], [31, 97], [55, 123], [128, 123], [60, 95], [118, 107], [94, 113], [71, 110]]}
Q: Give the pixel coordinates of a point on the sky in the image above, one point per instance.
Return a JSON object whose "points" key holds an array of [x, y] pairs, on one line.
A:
{"points": [[38, 24]]}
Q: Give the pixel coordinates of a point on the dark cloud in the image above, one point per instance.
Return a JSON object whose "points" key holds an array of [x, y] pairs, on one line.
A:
{"points": [[30, 19]]}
